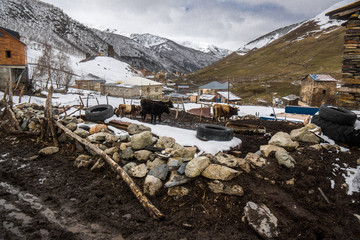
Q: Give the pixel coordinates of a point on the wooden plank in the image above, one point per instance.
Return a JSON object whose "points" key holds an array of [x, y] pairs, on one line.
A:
{"points": [[350, 81]]}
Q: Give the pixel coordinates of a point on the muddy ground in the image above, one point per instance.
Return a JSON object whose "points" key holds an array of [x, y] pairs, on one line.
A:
{"points": [[48, 198]]}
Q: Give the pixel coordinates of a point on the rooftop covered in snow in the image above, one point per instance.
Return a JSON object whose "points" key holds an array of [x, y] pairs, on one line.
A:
{"points": [[138, 81]]}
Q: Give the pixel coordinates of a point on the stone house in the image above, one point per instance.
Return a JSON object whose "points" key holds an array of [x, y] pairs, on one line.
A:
{"points": [[90, 82], [134, 87], [13, 62], [317, 89]]}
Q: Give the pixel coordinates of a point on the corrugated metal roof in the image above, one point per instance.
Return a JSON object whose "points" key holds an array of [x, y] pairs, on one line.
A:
{"points": [[214, 85], [232, 97], [322, 77]]}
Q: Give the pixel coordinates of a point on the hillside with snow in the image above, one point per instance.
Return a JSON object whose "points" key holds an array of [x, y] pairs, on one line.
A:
{"points": [[321, 23]]}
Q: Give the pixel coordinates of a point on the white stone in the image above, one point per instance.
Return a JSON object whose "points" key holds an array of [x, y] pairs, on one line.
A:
{"points": [[196, 166], [152, 185]]}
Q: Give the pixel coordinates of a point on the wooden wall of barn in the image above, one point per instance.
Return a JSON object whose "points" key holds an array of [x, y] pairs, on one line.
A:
{"points": [[17, 50]]}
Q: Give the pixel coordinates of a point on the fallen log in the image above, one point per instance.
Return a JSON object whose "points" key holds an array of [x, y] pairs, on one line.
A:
{"points": [[145, 202]]}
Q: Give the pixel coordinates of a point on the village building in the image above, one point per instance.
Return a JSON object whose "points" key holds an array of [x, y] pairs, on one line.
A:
{"points": [[291, 100], [207, 97], [133, 87], [212, 87], [13, 64], [90, 82], [349, 93], [183, 88], [318, 89], [227, 97]]}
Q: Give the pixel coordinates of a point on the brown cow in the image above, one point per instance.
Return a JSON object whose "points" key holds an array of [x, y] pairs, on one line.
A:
{"points": [[125, 109], [222, 110]]}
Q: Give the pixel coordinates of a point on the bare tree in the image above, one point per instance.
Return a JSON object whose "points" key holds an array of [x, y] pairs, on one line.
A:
{"points": [[45, 64]]}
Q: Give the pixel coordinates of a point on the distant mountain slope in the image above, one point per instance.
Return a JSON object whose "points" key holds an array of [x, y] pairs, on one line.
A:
{"points": [[275, 70], [40, 22]]}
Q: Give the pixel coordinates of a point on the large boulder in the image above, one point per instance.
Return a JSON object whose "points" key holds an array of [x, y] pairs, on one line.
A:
{"points": [[262, 220], [226, 159], [160, 171], [137, 128], [218, 187], [141, 140], [196, 166], [283, 140], [165, 142], [152, 185], [285, 159], [97, 137], [139, 171], [267, 150], [82, 133], [219, 172], [304, 135], [255, 159], [49, 151], [184, 152], [142, 155]]}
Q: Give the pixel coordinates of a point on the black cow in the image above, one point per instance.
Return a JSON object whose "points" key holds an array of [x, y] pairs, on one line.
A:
{"points": [[154, 108]]}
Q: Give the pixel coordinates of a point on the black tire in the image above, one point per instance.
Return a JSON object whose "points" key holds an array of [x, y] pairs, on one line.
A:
{"points": [[337, 132], [214, 132], [338, 115], [99, 112]]}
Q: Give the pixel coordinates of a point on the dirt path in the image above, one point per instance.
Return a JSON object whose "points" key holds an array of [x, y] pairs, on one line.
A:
{"points": [[48, 198]]}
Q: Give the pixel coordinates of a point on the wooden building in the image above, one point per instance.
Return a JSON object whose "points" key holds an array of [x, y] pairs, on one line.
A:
{"points": [[349, 93], [12, 58], [317, 89]]}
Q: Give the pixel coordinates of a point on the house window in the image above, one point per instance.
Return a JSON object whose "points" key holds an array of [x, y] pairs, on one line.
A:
{"points": [[323, 91], [8, 54], [156, 89], [1, 34]]}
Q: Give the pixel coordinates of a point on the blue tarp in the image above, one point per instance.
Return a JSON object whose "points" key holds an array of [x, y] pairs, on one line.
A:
{"points": [[301, 110]]}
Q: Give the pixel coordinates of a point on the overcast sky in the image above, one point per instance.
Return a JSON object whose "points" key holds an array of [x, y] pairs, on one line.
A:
{"points": [[224, 23]]}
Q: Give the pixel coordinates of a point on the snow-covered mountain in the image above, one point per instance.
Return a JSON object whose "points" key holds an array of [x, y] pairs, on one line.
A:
{"points": [[206, 48], [151, 41], [39, 22], [266, 39], [321, 22]]}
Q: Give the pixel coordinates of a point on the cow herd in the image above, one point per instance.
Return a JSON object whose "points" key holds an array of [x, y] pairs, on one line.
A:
{"points": [[156, 108], [151, 107]]}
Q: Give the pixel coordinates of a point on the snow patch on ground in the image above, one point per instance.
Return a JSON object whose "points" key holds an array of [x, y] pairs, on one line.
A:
{"points": [[186, 137]]}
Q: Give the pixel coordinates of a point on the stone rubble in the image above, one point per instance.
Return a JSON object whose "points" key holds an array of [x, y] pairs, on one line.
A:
{"points": [[177, 165]]}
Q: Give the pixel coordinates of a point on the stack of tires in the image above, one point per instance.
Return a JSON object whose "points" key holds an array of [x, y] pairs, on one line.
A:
{"points": [[338, 124]]}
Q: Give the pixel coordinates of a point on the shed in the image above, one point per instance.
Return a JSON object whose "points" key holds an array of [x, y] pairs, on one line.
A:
{"points": [[212, 87], [317, 89], [13, 64], [349, 92], [228, 97], [291, 99]]}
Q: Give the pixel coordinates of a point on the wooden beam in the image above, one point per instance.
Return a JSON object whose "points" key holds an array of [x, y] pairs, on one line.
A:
{"points": [[145, 202]]}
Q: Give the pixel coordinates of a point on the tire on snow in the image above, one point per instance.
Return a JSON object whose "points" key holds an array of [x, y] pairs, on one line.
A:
{"points": [[214, 132], [99, 112], [337, 115], [337, 132]]}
